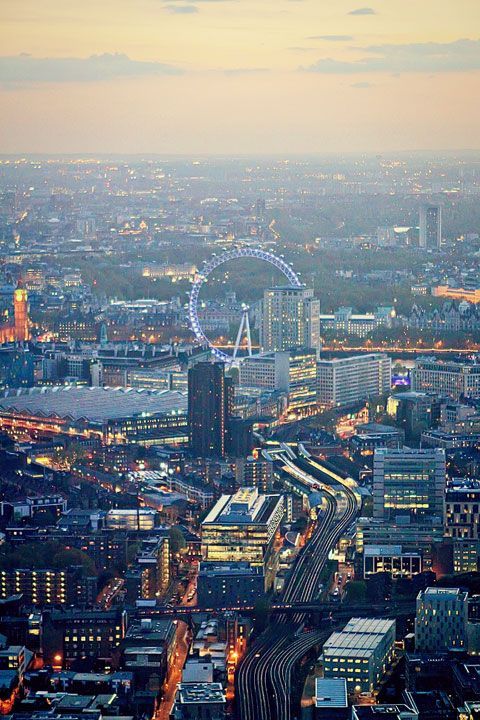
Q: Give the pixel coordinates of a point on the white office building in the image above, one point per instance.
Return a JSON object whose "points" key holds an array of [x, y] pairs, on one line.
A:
{"points": [[441, 620], [292, 371], [447, 377], [360, 653], [345, 381]]}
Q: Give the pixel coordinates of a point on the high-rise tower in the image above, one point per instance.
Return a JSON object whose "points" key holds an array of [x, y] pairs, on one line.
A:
{"points": [[290, 318], [430, 227], [210, 401]]}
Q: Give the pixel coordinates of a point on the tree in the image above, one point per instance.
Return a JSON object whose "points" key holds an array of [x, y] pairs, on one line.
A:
{"points": [[356, 591], [177, 540]]}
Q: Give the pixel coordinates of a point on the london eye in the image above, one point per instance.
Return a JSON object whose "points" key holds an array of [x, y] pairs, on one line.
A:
{"points": [[244, 324]]}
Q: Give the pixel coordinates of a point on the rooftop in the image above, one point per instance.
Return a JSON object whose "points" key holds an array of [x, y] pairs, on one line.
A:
{"points": [[378, 550], [92, 403], [204, 692], [359, 638], [246, 506], [331, 693]]}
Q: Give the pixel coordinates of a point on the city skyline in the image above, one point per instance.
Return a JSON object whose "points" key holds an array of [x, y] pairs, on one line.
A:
{"points": [[217, 76]]}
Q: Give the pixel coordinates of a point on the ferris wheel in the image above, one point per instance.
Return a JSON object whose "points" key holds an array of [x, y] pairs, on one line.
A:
{"points": [[244, 326]]}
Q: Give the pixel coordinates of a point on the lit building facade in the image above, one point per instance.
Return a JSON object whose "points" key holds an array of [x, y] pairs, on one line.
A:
{"points": [[345, 381], [290, 318], [210, 406], [441, 620], [292, 371], [244, 528], [360, 653], [462, 510], [19, 329], [398, 563], [408, 482], [455, 379]]}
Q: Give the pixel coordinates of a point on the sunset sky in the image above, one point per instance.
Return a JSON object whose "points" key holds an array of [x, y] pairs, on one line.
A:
{"points": [[238, 76]]}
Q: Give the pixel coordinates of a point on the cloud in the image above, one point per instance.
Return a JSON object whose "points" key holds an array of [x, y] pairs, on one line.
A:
{"points": [[203, 1], [361, 85], [363, 11], [331, 38], [245, 71], [181, 9], [457, 56], [24, 68]]}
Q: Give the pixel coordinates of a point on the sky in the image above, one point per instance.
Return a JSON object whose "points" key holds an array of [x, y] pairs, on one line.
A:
{"points": [[235, 77]]}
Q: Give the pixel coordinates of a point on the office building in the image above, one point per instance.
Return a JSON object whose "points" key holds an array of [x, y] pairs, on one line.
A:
{"points": [[290, 318], [414, 412], [227, 584], [398, 563], [292, 371], [360, 653], [346, 381], [17, 366], [243, 528], [469, 292], [453, 378], [430, 237], [413, 535], [441, 620], [210, 406], [408, 482], [148, 651], [462, 509]]}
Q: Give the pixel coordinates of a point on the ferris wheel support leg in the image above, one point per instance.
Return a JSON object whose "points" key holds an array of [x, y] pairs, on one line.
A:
{"points": [[239, 336], [249, 337]]}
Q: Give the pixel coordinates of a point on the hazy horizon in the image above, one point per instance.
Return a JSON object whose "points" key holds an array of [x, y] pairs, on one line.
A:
{"points": [[238, 77]]}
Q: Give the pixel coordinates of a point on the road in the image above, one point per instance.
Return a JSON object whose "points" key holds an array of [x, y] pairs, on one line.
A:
{"points": [[175, 674], [265, 677]]}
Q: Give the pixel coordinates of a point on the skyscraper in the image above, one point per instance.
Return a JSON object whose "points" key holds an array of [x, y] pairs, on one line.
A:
{"points": [[210, 401], [290, 318], [408, 482], [430, 227]]}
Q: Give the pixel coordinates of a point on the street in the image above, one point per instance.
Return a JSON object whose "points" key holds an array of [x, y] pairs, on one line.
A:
{"points": [[175, 674]]}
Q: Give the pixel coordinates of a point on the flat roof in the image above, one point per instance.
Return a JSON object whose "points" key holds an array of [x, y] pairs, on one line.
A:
{"points": [[200, 692], [373, 550], [331, 693], [359, 638], [93, 403], [443, 593], [245, 507]]}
